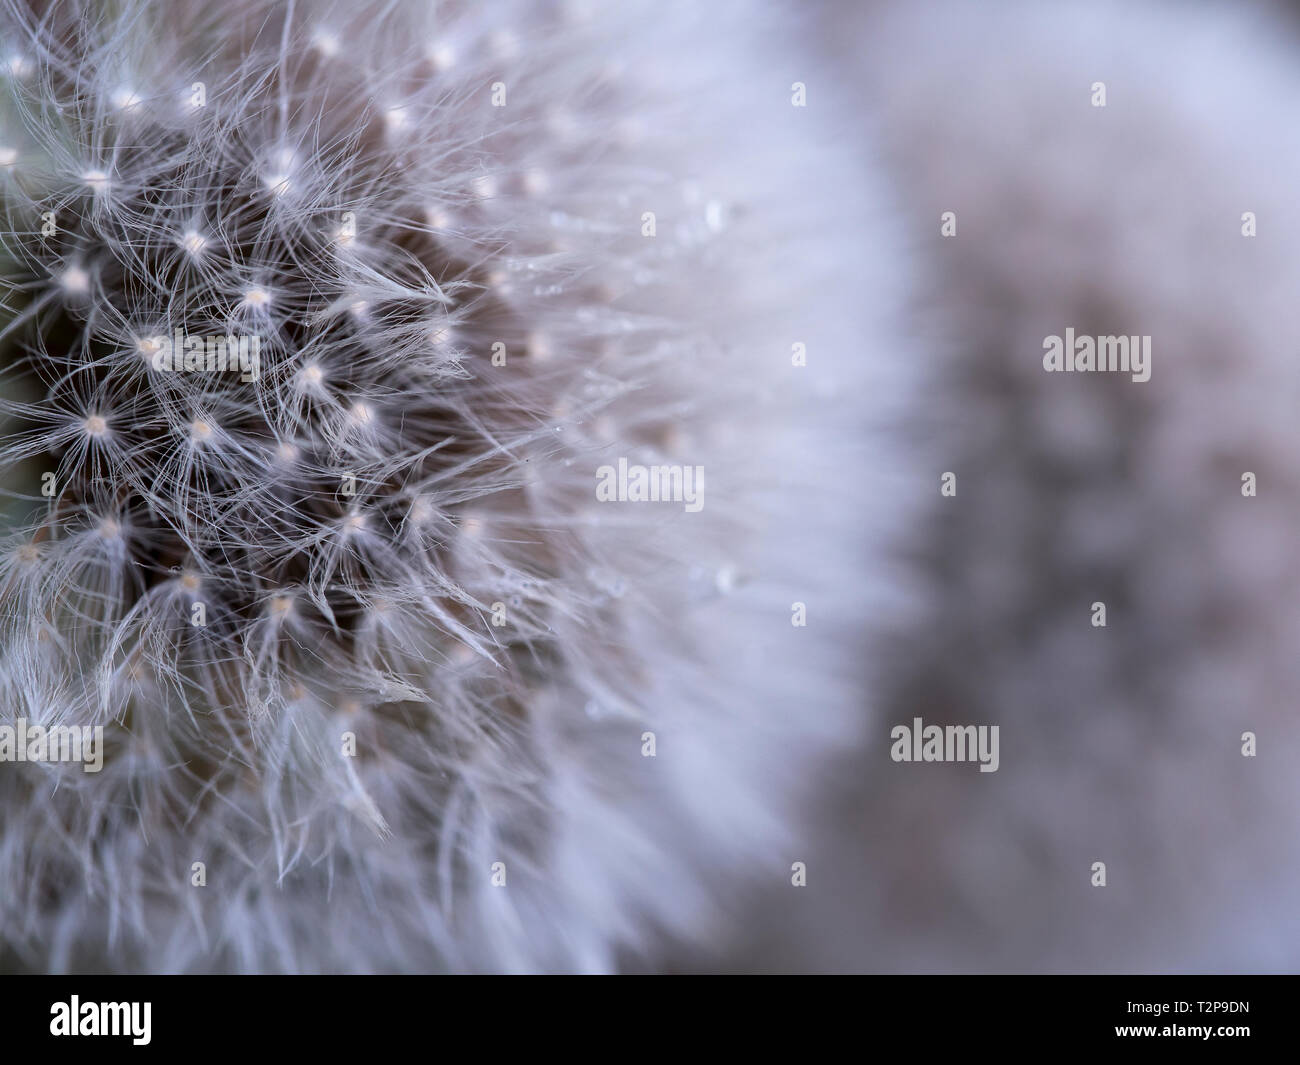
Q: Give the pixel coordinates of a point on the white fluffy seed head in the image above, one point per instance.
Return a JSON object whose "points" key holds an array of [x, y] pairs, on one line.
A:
{"points": [[193, 242], [326, 43], [396, 118], [75, 281], [125, 99], [401, 481], [278, 177], [311, 377], [441, 56]]}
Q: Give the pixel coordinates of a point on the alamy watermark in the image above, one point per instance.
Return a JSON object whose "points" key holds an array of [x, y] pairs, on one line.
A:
{"points": [[634, 483], [946, 743], [58, 743], [103, 1018], [184, 353], [1108, 354]]}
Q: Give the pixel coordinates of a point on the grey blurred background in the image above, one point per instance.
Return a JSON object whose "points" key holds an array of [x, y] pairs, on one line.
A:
{"points": [[1120, 744]]}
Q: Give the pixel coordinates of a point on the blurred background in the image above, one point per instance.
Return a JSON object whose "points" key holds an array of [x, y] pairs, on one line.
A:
{"points": [[1120, 744]]}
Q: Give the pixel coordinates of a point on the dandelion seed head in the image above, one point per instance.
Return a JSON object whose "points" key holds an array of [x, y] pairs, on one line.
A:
{"points": [[75, 281], [256, 297], [442, 56], [311, 376], [326, 43], [278, 179], [194, 242], [125, 99], [396, 118], [420, 511], [278, 184], [363, 498]]}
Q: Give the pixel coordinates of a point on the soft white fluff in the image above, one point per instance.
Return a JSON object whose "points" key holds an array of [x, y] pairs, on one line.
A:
{"points": [[348, 191]]}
